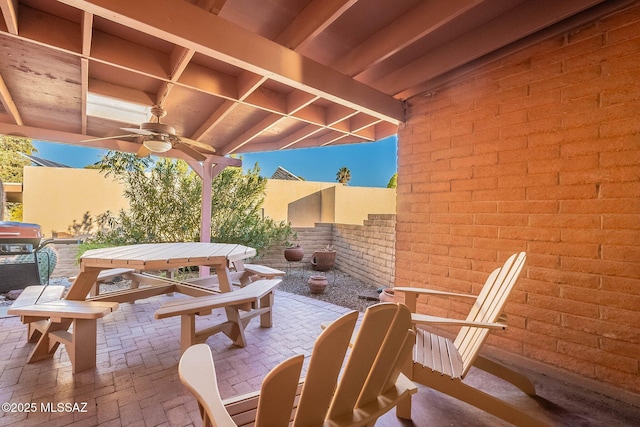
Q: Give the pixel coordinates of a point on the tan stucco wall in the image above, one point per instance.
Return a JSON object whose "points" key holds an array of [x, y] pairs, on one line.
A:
{"points": [[305, 203], [55, 197]]}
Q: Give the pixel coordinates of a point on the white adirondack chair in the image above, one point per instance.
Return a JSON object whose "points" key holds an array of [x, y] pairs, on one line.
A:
{"points": [[442, 364], [370, 384]]}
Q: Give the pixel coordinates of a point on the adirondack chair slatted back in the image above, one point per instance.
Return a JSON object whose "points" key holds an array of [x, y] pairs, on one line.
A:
{"points": [[372, 366], [324, 367], [368, 386], [381, 348], [278, 393], [488, 308]]}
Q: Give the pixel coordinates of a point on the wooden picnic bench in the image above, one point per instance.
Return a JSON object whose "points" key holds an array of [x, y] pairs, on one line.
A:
{"points": [[244, 274], [33, 295], [255, 299], [51, 319], [106, 275], [256, 271]]}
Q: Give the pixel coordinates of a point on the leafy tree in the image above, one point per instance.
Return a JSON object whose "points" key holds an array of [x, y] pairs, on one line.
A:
{"points": [[393, 181], [343, 176], [11, 161], [164, 205]]}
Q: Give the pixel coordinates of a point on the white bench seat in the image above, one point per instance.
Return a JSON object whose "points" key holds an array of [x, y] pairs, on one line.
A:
{"points": [[255, 299], [55, 317], [256, 272], [35, 295]]}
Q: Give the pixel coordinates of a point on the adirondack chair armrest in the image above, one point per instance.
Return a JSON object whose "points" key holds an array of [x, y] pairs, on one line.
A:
{"points": [[424, 291], [197, 372], [411, 295], [424, 319]]}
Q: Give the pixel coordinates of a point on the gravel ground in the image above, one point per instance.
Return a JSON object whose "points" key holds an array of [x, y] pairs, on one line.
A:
{"points": [[342, 290]]}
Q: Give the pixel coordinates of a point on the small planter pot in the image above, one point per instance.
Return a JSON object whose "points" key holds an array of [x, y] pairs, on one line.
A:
{"points": [[317, 284], [294, 254], [387, 295], [323, 260]]}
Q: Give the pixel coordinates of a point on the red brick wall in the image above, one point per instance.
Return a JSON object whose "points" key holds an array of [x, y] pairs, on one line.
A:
{"points": [[539, 151]]}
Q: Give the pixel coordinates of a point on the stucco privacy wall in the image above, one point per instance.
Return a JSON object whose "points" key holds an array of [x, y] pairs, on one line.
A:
{"points": [[305, 203], [364, 251], [540, 152], [55, 197]]}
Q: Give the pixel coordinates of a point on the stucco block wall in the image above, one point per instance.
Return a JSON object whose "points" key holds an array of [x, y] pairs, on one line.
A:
{"points": [[367, 251], [55, 197], [363, 251], [305, 203], [540, 152]]}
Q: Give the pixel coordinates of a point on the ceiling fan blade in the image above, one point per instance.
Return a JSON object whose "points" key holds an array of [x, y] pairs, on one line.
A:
{"points": [[190, 151], [200, 145], [108, 137], [143, 151], [138, 131]]}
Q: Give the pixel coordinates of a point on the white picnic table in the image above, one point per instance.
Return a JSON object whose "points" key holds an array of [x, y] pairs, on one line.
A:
{"points": [[53, 319]]}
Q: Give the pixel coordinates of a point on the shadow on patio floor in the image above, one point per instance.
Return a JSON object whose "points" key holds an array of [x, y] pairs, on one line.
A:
{"points": [[136, 381]]}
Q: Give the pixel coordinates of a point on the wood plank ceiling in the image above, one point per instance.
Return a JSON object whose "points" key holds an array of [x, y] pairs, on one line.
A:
{"points": [[249, 76]]}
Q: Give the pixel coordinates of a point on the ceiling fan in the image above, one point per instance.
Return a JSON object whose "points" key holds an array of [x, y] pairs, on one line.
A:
{"points": [[158, 137]]}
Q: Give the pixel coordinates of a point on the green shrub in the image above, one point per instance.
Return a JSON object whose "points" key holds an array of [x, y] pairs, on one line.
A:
{"points": [[165, 205]]}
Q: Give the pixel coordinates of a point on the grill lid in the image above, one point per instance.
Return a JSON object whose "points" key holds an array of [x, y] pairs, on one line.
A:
{"points": [[20, 232]]}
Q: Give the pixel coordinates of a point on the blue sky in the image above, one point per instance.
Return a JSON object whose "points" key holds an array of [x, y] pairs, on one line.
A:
{"points": [[371, 164]]}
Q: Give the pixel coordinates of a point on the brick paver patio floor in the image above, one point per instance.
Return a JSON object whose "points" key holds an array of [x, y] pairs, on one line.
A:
{"points": [[136, 381]]}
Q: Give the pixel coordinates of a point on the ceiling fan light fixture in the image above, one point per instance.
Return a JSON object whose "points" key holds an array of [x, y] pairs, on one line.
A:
{"points": [[157, 144]]}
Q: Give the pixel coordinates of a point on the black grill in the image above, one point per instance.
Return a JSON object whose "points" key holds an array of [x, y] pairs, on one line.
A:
{"points": [[17, 241]]}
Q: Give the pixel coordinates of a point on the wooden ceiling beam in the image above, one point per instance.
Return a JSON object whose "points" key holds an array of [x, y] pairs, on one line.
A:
{"points": [[298, 100], [9, 10], [297, 136], [84, 93], [8, 103], [410, 27], [60, 137], [214, 119], [250, 134], [213, 6], [86, 27], [124, 54], [178, 61], [514, 24], [246, 84], [362, 121], [315, 18], [211, 82], [330, 138], [230, 43], [249, 83], [269, 100], [385, 129], [67, 138], [337, 113]]}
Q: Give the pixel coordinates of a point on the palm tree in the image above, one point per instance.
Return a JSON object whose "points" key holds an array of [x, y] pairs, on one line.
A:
{"points": [[344, 175]]}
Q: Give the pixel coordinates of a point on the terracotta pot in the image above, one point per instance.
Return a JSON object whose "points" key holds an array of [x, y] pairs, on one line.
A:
{"points": [[293, 254], [317, 284], [387, 295], [323, 260]]}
